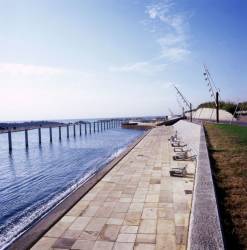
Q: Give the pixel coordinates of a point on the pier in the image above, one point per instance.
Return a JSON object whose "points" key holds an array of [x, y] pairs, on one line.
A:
{"points": [[95, 126]]}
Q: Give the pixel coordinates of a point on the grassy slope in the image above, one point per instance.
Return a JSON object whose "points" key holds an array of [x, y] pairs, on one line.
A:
{"points": [[228, 151]]}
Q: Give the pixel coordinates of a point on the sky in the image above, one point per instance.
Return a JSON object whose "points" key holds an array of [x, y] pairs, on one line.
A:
{"points": [[65, 59]]}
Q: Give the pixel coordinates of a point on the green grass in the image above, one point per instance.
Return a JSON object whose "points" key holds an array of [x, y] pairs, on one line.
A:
{"points": [[235, 131], [227, 146]]}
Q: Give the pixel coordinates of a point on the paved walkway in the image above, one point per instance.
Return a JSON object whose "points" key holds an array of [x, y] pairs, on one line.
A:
{"points": [[137, 205]]}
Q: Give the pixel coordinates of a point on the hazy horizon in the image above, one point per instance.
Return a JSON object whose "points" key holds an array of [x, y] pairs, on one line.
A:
{"points": [[81, 118], [67, 59]]}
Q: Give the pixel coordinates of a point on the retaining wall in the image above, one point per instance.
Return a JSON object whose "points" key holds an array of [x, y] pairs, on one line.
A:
{"points": [[205, 230]]}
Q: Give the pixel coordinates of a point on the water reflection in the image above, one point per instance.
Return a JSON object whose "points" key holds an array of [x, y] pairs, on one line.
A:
{"points": [[11, 165]]}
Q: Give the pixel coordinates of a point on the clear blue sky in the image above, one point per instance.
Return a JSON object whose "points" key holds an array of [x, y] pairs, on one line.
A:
{"points": [[101, 58]]}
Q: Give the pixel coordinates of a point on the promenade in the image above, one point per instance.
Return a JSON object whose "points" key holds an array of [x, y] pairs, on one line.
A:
{"points": [[137, 205]]}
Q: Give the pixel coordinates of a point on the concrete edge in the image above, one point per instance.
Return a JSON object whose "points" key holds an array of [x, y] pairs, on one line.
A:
{"points": [[204, 227], [171, 121], [32, 235]]}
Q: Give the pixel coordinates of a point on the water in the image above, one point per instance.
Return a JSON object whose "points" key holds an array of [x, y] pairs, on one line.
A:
{"points": [[33, 181]]}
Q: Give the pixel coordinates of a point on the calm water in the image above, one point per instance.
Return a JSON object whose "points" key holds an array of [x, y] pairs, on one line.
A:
{"points": [[34, 181]]}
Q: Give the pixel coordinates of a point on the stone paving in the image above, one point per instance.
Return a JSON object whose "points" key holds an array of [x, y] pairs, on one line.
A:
{"points": [[137, 205]]}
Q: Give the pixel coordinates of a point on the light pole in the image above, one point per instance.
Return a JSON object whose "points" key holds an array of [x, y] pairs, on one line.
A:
{"points": [[214, 92], [186, 102]]}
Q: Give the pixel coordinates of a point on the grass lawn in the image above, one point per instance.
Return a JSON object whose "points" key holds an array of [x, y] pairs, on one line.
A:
{"points": [[227, 146]]}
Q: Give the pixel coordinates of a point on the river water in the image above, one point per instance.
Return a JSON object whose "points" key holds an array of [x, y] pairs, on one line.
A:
{"points": [[33, 181]]}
